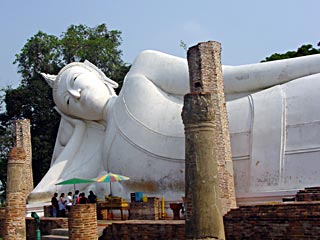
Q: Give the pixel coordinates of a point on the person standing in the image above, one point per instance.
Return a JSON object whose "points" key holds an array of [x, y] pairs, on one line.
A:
{"points": [[82, 198], [92, 198], [69, 201], [62, 206], [75, 197], [54, 205]]}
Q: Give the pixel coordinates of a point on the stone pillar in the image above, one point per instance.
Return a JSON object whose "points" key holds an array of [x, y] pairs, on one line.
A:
{"points": [[15, 222], [204, 218], [205, 75], [82, 222], [22, 139], [209, 171]]}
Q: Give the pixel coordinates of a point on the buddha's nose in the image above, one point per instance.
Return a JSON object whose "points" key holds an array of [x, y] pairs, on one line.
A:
{"points": [[75, 93]]}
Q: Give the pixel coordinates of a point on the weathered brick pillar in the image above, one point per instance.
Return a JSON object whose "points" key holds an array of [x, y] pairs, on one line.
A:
{"points": [[205, 74], [82, 222], [209, 171], [15, 223], [22, 139], [204, 217]]}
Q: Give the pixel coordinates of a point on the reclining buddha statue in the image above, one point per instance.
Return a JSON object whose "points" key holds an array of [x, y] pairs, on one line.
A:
{"points": [[274, 122]]}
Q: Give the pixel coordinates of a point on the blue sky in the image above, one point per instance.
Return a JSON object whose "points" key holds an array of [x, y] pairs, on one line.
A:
{"points": [[249, 30]]}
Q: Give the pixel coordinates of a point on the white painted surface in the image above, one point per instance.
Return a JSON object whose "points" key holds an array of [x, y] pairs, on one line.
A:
{"points": [[274, 132]]}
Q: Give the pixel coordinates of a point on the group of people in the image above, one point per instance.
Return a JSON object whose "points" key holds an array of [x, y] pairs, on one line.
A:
{"points": [[60, 207]]}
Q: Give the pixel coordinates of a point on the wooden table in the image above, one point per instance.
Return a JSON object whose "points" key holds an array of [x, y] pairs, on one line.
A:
{"points": [[101, 205]]}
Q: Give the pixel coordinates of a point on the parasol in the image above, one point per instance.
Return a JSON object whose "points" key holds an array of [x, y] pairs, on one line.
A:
{"points": [[111, 177], [75, 181]]}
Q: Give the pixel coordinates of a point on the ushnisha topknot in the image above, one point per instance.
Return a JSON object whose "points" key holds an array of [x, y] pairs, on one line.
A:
{"points": [[54, 80]]}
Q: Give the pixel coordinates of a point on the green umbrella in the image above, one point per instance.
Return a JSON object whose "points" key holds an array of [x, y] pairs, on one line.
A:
{"points": [[75, 181]]}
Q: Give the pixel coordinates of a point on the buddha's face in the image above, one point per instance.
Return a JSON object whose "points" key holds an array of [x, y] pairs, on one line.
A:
{"points": [[81, 93]]}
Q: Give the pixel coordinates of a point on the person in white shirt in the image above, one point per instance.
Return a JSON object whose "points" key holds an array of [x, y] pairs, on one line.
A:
{"points": [[69, 201]]}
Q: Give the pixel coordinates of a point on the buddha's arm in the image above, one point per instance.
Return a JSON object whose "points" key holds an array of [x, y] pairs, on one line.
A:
{"points": [[167, 72], [170, 73], [255, 77]]}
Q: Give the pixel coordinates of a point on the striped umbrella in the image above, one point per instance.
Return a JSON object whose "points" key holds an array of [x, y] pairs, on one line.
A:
{"points": [[111, 177]]}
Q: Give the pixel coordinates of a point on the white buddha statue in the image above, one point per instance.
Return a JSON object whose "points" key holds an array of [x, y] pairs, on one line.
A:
{"points": [[272, 109]]}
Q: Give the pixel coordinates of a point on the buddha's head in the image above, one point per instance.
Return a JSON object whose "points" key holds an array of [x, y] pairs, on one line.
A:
{"points": [[81, 90]]}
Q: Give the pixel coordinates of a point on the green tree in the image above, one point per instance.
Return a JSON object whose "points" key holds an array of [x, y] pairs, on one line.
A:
{"points": [[33, 98], [6, 144], [304, 50]]}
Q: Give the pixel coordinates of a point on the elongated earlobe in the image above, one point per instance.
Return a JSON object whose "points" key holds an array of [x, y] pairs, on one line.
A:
{"points": [[50, 79]]}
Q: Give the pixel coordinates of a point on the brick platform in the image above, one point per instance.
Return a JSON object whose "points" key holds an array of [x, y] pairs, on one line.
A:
{"points": [[14, 224], [297, 220], [46, 224], [308, 194], [145, 229]]}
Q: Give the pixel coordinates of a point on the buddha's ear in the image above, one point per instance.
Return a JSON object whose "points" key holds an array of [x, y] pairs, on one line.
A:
{"points": [[49, 78]]}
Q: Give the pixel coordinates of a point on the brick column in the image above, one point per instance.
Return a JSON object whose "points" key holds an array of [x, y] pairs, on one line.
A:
{"points": [[15, 226], [22, 139], [204, 217], [209, 171], [82, 222], [205, 76]]}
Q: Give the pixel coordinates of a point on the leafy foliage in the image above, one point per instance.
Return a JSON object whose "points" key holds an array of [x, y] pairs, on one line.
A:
{"points": [[6, 144], [183, 45], [33, 98], [304, 50]]}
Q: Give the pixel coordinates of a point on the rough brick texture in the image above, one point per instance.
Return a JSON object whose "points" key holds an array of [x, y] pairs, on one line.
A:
{"points": [[297, 220], [209, 171], [308, 194], [46, 224], [15, 210], [204, 61], [82, 221], [139, 230], [205, 74], [22, 139], [278, 221]]}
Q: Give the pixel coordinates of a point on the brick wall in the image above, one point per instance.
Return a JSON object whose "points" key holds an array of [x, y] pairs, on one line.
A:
{"points": [[46, 224], [138, 229], [308, 194], [297, 220]]}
